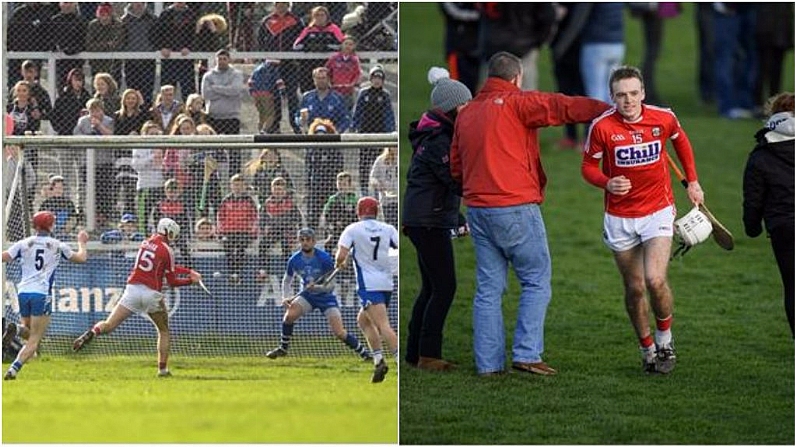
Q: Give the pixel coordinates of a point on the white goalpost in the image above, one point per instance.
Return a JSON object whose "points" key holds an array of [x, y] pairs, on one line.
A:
{"points": [[243, 317]]}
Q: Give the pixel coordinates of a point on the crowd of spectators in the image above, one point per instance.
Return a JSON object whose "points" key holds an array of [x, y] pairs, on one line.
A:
{"points": [[740, 51], [218, 196]]}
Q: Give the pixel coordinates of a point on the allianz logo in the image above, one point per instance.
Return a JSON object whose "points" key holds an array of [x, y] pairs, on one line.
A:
{"points": [[638, 154]]}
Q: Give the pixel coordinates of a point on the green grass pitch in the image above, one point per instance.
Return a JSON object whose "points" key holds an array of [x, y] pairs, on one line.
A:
{"points": [[735, 380], [207, 400]]}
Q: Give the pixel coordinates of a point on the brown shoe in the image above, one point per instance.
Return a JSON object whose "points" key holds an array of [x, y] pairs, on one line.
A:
{"points": [[433, 364], [539, 368]]}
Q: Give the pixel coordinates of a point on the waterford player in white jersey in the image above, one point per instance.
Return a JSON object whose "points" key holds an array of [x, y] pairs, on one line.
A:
{"points": [[39, 256], [369, 241]]}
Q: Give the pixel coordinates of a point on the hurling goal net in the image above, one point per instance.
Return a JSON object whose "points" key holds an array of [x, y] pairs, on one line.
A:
{"points": [[236, 230]]}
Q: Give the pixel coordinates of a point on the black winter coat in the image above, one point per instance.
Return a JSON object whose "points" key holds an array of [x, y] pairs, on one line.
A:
{"points": [[67, 109], [432, 198], [769, 186], [68, 33]]}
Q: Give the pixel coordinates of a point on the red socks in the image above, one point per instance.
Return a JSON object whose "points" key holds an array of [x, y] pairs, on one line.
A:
{"points": [[665, 324]]}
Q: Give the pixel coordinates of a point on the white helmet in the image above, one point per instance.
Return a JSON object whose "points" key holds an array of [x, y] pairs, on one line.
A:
{"points": [[694, 227], [168, 228]]}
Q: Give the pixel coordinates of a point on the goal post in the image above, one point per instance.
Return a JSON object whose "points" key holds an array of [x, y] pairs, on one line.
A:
{"points": [[244, 315]]}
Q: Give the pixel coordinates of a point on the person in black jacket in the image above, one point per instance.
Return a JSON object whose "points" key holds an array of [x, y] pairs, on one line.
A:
{"points": [[175, 32], [769, 191], [28, 31], [518, 28], [430, 212], [67, 33]]}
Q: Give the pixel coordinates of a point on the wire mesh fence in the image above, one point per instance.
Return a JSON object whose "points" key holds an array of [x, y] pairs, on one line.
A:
{"points": [[201, 69]]}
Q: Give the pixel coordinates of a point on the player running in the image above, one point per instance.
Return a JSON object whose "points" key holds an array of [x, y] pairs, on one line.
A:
{"points": [[142, 295], [369, 240], [311, 263], [39, 255], [629, 141]]}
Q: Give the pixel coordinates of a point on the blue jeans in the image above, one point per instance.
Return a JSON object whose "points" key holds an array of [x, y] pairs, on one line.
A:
{"points": [[514, 235], [735, 78], [597, 62]]}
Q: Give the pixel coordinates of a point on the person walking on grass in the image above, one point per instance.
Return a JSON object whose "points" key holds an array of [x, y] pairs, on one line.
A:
{"points": [[769, 191], [39, 255], [629, 141], [496, 157]]}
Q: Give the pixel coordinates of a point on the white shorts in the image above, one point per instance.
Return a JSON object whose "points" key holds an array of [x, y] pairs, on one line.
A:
{"points": [[143, 300], [623, 233]]}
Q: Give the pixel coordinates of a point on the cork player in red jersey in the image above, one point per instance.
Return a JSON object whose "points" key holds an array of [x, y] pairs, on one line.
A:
{"points": [[142, 295], [629, 141]]}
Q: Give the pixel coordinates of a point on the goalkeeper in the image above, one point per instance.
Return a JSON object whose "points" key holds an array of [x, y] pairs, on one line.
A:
{"points": [[311, 264]]}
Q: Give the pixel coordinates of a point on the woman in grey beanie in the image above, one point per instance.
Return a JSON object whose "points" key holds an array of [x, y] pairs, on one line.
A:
{"points": [[431, 217]]}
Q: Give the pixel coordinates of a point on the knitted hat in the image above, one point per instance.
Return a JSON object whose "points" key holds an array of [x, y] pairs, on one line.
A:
{"points": [[447, 94], [377, 70]]}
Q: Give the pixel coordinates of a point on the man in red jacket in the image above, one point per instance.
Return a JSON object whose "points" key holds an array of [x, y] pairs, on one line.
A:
{"points": [[495, 155]]}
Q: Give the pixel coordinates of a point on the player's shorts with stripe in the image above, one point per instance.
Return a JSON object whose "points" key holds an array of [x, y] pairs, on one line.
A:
{"points": [[374, 297], [623, 233], [141, 299], [35, 304]]}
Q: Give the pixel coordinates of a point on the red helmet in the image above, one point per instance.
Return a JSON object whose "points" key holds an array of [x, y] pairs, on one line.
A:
{"points": [[43, 221], [367, 207]]}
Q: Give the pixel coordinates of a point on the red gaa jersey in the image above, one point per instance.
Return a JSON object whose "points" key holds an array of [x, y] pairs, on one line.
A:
{"points": [[636, 150], [154, 261]]}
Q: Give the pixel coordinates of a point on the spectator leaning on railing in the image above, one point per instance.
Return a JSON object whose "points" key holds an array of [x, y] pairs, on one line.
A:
{"points": [[175, 31], [105, 34], [67, 33], [28, 30]]}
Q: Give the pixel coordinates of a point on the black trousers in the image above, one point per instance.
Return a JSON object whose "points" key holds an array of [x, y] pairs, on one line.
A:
{"points": [[437, 267], [569, 80], [783, 241]]}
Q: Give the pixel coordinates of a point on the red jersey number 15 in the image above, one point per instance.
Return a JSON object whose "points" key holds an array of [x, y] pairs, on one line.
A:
{"points": [[145, 261]]}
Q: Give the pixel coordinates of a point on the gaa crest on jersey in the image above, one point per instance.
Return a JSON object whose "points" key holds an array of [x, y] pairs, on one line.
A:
{"points": [[638, 154], [656, 132]]}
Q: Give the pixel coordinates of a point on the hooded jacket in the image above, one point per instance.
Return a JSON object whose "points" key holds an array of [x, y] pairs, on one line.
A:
{"points": [[769, 179], [431, 199]]}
